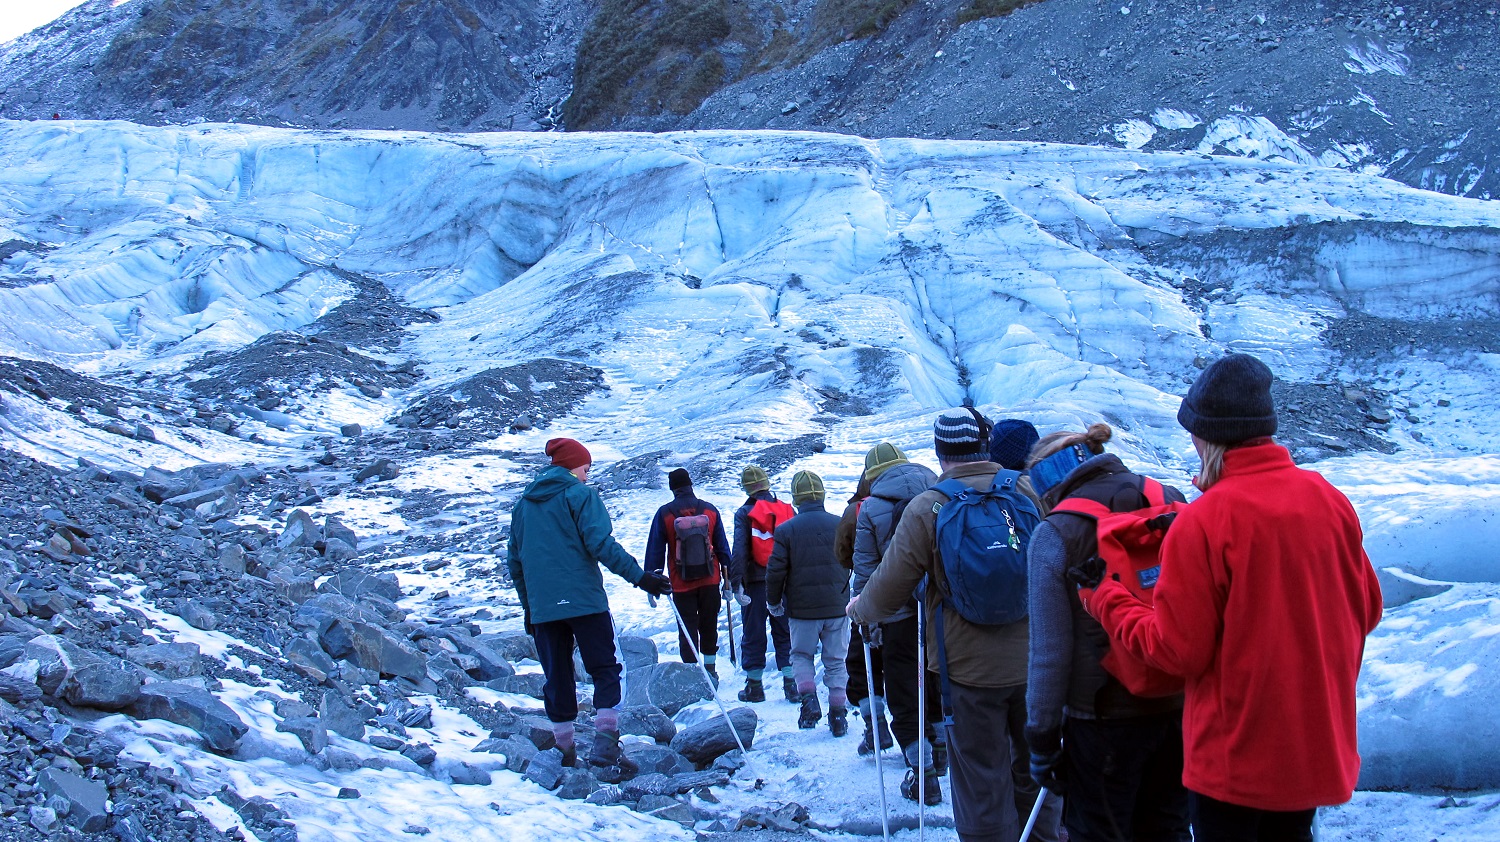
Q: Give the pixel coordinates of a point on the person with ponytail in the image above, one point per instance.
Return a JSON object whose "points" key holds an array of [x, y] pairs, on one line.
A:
{"points": [[1263, 605], [1116, 757]]}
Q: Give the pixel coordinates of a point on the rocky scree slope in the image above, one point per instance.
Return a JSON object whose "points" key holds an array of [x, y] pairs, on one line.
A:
{"points": [[1400, 88]]}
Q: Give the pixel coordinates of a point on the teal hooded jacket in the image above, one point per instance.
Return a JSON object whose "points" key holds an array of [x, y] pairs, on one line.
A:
{"points": [[559, 535]]}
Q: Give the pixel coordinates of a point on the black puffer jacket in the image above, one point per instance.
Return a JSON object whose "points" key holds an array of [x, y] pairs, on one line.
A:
{"points": [[804, 569]]}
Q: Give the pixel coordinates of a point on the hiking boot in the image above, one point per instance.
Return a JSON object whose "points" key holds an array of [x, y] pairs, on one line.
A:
{"points": [[940, 756], [789, 685], [873, 720], [909, 791], [713, 675], [570, 756], [754, 691], [811, 712], [610, 765], [838, 720]]}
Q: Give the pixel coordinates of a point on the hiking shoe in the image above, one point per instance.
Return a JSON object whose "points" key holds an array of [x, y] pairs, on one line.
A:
{"points": [[610, 765], [811, 712], [867, 745], [909, 788], [754, 691], [940, 756], [713, 675], [570, 757], [789, 685], [874, 719], [838, 720]]}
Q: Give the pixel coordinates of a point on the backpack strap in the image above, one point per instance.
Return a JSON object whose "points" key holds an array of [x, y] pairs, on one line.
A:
{"points": [[946, 691], [1153, 492], [1083, 507], [1005, 480], [951, 488]]}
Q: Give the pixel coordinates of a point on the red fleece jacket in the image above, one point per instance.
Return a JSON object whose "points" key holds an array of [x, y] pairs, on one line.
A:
{"points": [[1264, 602]]}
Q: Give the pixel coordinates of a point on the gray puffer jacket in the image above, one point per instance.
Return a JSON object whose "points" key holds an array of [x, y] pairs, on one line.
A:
{"points": [[877, 523]]}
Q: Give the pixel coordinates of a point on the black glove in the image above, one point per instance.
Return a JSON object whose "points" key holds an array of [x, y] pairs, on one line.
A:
{"points": [[655, 583], [1048, 764], [1087, 574], [530, 629]]}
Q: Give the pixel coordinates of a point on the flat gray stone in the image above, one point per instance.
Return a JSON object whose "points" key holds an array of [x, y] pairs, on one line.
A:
{"points": [[527, 684], [669, 686], [657, 758], [168, 660], [648, 721], [545, 769], [86, 799], [354, 584], [577, 784], [309, 729], [705, 742], [192, 707], [638, 652]]}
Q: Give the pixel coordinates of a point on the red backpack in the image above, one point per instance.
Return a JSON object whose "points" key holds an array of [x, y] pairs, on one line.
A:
{"points": [[1130, 549], [764, 517], [693, 545]]}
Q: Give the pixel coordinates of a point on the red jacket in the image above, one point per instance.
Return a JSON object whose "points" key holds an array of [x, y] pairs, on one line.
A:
{"points": [[1265, 598]]}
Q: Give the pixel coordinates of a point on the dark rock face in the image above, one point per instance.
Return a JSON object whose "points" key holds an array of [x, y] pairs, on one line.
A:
{"points": [[86, 799], [194, 708], [705, 742], [545, 769], [670, 687], [169, 660]]}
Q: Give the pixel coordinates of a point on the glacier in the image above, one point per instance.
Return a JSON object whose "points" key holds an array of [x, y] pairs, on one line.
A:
{"points": [[792, 298]]}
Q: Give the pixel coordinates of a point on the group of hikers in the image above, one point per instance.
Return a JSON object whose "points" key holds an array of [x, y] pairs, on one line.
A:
{"points": [[1068, 641]]}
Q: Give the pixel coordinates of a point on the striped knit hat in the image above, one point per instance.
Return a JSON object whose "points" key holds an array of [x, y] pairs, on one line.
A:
{"points": [[961, 435]]}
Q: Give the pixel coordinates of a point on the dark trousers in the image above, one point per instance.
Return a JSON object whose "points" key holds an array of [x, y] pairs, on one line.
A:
{"points": [[1217, 821], [859, 681], [699, 608], [1125, 780], [899, 652], [753, 641], [594, 634], [980, 769]]}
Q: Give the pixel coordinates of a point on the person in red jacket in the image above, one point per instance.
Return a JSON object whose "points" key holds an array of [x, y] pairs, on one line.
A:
{"points": [[687, 538], [1263, 605]]}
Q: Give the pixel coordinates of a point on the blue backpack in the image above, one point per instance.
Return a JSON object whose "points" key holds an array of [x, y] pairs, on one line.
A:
{"points": [[982, 538]]}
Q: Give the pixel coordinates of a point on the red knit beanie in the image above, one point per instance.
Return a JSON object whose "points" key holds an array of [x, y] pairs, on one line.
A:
{"points": [[568, 453]]}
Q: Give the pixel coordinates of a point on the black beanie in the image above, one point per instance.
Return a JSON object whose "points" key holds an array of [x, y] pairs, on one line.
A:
{"points": [[1230, 402], [679, 479]]}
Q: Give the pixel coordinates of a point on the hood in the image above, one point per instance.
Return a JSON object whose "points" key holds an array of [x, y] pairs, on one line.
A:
{"points": [[1095, 467], [552, 481], [903, 482]]}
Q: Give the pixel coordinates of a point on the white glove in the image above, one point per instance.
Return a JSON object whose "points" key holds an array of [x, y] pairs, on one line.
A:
{"points": [[740, 596], [776, 610]]}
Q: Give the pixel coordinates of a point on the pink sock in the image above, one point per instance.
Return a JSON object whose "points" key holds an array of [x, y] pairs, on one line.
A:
{"points": [[607, 719], [838, 697], [563, 733]]}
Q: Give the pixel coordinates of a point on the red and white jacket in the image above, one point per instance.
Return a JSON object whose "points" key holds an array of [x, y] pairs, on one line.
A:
{"points": [[1264, 602]]}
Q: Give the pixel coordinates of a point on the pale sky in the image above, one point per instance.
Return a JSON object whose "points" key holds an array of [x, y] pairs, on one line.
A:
{"points": [[18, 17]]}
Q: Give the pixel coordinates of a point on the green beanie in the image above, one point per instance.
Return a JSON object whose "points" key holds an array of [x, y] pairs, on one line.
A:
{"points": [[754, 479], [882, 457], [807, 487]]}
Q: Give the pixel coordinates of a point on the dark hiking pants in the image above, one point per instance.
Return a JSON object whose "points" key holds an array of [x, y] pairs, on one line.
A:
{"points": [[1217, 821], [594, 634], [979, 757], [859, 683], [699, 608], [753, 642], [1124, 780], [899, 653]]}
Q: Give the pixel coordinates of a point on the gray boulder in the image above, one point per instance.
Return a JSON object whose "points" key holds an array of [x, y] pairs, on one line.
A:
{"points": [[652, 783], [705, 742], [488, 664], [339, 551], [86, 799], [637, 651], [685, 782], [653, 758], [648, 721], [669, 686], [528, 684], [342, 718], [308, 658], [512, 646], [197, 615], [373, 648], [309, 729], [192, 707], [354, 584], [545, 769], [335, 528], [577, 784], [291, 584], [168, 660], [351, 431], [380, 469], [300, 531], [80, 677], [466, 774]]}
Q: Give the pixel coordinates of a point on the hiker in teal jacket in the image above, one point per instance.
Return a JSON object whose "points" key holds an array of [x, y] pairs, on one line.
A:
{"points": [[559, 535]]}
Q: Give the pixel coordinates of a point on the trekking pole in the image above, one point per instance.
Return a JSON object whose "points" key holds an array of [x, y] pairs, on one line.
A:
{"points": [[885, 812], [922, 745], [1036, 810], [729, 612], [714, 693]]}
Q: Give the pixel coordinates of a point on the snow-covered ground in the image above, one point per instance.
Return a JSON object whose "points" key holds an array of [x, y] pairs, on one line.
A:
{"points": [[742, 292]]}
